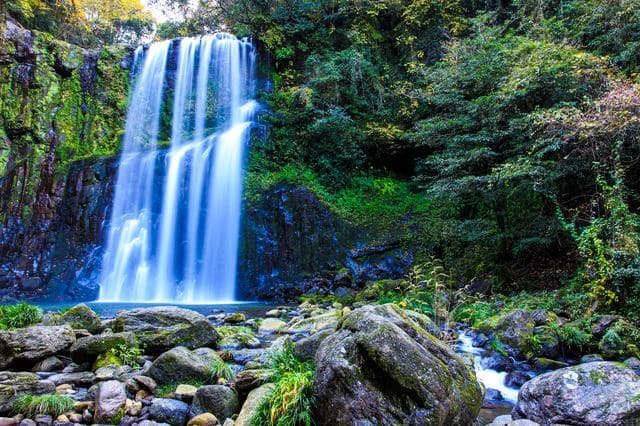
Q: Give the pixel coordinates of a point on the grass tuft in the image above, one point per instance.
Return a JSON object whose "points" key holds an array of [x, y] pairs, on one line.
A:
{"points": [[292, 398], [51, 405], [219, 368], [19, 315]]}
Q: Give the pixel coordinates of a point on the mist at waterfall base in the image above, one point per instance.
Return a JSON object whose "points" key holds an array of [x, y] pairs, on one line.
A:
{"points": [[174, 229]]}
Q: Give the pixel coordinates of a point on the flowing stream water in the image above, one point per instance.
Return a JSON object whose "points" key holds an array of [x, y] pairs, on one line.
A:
{"points": [[174, 229]]}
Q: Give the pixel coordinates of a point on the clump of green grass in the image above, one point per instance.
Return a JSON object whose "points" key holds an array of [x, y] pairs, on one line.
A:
{"points": [[291, 400], [51, 405], [219, 368], [240, 334], [19, 315]]}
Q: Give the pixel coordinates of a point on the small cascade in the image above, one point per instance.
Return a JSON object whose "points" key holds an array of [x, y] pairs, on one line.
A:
{"points": [[174, 231], [491, 379]]}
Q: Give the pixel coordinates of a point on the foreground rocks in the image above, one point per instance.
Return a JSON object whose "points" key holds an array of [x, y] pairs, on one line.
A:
{"points": [[161, 328], [380, 366], [14, 385], [597, 393]]}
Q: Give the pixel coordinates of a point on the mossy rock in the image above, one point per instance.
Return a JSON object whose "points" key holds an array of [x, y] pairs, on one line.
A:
{"points": [[400, 373], [81, 316], [90, 347]]}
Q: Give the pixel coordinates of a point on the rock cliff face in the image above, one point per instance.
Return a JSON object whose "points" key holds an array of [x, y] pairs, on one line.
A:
{"points": [[293, 244], [59, 103]]}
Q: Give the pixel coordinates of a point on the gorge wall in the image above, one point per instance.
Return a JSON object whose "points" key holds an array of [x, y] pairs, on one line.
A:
{"points": [[62, 109]]}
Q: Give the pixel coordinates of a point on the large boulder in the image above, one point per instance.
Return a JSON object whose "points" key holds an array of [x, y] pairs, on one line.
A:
{"points": [[219, 400], [161, 328], [597, 393], [15, 385], [90, 347], [382, 367], [27, 346], [110, 400], [179, 365]]}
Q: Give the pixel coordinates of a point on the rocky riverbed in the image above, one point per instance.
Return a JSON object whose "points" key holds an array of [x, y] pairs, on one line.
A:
{"points": [[374, 364]]}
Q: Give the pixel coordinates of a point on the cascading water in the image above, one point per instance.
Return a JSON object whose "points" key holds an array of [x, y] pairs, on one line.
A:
{"points": [[174, 231]]}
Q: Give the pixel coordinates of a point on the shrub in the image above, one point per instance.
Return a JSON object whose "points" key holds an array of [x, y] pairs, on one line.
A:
{"points": [[291, 400], [19, 315], [51, 405]]}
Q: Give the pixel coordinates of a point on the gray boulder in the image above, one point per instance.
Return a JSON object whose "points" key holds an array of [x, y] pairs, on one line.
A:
{"points": [[179, 365], [90, 347], [26, 346], [596, 393], [307, 347], [80, 378], [381, 366], [219, 400], [110, 399], [15, 385], [171, 411], [161, 328]]}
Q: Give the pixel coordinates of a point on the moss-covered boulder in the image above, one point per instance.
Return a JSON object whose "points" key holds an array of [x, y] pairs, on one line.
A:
{"points": [[383, 366], [90, 347], [597, 393], [81, 316], [161, 328], [15, 385], [179, 365], [27, 346]]}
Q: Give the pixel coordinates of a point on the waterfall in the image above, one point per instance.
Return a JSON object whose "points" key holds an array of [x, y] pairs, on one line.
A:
{"points": [[174, 229]]}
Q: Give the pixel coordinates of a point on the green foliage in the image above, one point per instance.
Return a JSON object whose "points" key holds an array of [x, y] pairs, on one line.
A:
{"points": [[51, 405], [19, 315], [129, 355], [291, 400], [620, 341], [474, 313], [572, 336], [380, 204], [221, 369]]}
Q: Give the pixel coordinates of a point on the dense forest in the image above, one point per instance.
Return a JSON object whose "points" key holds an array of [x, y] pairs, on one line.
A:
{"points": [[497, 142]]}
